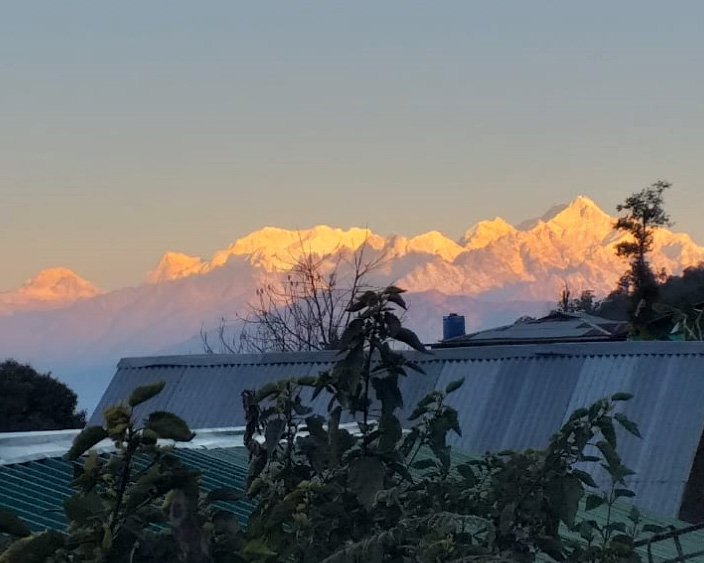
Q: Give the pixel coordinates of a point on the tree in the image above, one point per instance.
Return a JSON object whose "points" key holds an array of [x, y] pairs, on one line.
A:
{"points": [[644, 213], [585, 303], [33, 401], [305, 308]]}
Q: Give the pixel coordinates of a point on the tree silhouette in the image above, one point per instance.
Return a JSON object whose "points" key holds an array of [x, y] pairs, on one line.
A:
{"points": [[33, 401], [644, 213]]}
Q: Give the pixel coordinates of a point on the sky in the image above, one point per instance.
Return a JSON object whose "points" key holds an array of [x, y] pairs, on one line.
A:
{"points": [[129, 129]]}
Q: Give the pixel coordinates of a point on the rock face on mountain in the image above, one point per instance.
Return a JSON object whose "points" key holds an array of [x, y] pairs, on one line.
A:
{"points": [[49, 289], [495, 273]]}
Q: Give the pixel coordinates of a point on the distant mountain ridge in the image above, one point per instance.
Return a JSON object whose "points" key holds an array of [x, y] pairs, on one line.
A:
{"points": [[495, 273], [571, 243]]}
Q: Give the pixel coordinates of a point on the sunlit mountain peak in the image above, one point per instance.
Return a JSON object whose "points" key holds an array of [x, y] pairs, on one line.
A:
{"points": [[175, 265], [50, 288]]}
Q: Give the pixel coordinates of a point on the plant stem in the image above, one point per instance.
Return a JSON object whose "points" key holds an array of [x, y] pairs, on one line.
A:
{"points": [[124, 479]]}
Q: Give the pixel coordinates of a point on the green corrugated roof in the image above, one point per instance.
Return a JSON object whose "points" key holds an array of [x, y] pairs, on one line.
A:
{"points": [[35, 491]]}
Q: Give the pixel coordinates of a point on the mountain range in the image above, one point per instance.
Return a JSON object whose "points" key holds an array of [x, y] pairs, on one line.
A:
{"points": [[494, 273]]}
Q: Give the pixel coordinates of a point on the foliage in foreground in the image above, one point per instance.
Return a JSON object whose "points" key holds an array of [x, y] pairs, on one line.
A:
{"points": [[324, 490]]}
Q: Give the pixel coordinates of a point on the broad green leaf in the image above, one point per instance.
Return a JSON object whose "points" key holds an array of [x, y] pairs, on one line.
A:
{"points": [[307, 381], [145, 392], [272, 434], [396, 298], [586, 530], [585, 477], [87, 438], [33, 549], [627, 424], [465, 470], [616, 526], [12, 525], [634, 515], [367, 299], [82, 507], [426, 463], [552, 546], [594, 501], [392, 322], [607, 429], [149, 437], [388, 393], [366, 479], [609, 453], [258, 547], [418, 412], [348, 371], [621, 397], [450, 420], [267, 391], [410, 338], [168, 426], [618, 493], [393, 290], [390, 432], [565, 493], [653, 529], [454, 386], [352, 334], [579, 413]]}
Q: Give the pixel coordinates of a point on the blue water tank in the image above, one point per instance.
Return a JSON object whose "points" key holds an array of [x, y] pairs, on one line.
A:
{"points": [[452, 326]]}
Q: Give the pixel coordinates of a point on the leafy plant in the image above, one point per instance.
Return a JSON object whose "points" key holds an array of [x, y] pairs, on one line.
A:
{"points": [[128, 499], [377, 493]]}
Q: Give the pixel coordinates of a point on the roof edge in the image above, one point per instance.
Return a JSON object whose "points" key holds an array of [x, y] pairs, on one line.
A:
{"points": [[484, 352], [20, 447]]}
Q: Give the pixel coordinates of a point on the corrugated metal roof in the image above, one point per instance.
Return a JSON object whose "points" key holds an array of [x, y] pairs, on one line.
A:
{"points": [[36, 490], [514, 397]]}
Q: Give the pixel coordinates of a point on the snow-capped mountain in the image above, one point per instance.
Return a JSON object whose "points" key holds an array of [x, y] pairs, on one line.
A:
{"points": [[49, 289], [495, 273], [571, 244]]}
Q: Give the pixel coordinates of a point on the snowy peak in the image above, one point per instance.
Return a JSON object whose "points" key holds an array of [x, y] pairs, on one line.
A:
{"points": [[321, 239], [58, 283], [581, 211], [486, 232], [434, 242], [175, 265], [278, 249], [49, 289], [580, 223]]}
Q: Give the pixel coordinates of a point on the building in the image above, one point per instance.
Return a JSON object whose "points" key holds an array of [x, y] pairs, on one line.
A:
{"points": [[553, 328], [514, 398]]}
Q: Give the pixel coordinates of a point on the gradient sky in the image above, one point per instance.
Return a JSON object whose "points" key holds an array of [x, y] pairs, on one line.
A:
{"points": [[132, 128]]}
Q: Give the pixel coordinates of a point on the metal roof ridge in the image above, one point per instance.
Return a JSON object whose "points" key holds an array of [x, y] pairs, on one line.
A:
{"points": [[502, 350], [20, 447]]}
